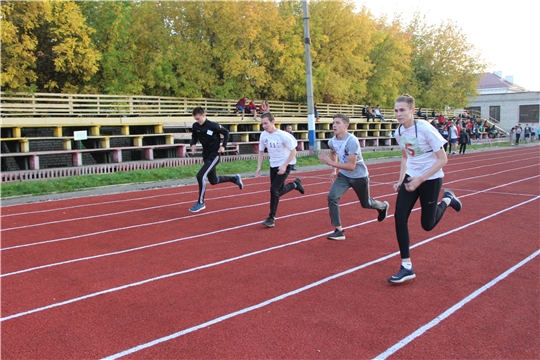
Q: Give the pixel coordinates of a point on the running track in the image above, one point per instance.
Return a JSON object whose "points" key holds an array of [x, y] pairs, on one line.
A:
{"points": [[136, 275]]}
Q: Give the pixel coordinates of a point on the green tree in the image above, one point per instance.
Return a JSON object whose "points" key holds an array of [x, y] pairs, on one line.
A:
{"points": [[444, 65], [390, 60]]}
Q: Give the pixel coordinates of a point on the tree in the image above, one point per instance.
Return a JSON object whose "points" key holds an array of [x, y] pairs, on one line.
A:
{"points": [[444, 65], [390, 60]]}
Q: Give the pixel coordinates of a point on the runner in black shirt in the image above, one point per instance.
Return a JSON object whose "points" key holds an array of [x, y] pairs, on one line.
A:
{"points": [[209, 133]]}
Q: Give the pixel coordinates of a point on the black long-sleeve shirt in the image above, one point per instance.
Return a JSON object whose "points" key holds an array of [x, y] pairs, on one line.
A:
{"points": [[208, 134]]}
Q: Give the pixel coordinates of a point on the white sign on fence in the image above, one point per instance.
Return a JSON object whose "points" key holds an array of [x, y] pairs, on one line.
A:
{"points": [[80, 135]]}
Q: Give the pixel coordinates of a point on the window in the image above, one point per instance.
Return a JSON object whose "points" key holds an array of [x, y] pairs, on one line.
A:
{"points": [[528, 113], [495, 112]]}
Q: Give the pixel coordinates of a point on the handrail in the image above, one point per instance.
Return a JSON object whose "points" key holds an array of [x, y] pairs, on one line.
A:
{"points": [[81, 105]]}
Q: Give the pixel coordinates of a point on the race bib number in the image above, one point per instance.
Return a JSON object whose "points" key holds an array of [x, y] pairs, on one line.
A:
{"points": [[410, 145], [209, 132]]}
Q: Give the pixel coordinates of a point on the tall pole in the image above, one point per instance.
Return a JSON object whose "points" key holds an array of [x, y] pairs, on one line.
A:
{"points": [[309, 82]]}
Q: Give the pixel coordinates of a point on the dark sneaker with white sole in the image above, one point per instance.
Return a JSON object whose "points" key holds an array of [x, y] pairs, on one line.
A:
{"points": [[269, 222], [238, 181], [299, 186], [337, 235], [402, 275], [383, 213], [454, 201]]}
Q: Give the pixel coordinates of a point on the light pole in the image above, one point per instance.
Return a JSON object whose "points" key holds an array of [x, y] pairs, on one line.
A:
{"points": [[309, 82]]}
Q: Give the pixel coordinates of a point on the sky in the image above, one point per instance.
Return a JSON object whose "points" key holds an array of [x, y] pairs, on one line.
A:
{"points": [[506, 34]]}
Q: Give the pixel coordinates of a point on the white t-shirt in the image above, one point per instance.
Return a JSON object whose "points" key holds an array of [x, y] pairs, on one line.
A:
{"points": [[279, 145], [420, 149]]}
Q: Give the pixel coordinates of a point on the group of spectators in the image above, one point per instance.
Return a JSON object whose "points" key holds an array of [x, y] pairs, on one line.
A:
{"points": [[251, 108], [529, 134], [372, 114], [460, 131]]}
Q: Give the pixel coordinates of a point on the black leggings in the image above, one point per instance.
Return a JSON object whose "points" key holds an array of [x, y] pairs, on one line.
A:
{"points": [[209, 171], [428, 192], [277, 188], [462, 148]]}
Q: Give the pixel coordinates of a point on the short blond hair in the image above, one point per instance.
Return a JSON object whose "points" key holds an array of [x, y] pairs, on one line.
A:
{"points": [[407, 99]]}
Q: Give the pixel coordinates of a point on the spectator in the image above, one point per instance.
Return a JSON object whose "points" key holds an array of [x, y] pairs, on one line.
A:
{"points": [[463, 141], [453, 138], [518, 133], [527, 132], [443, 130], [513, 136], [475, 131], [533, 132], [241, 105], [264, 107], [421, 114], [370, 114], [434, 114], [252, 109], [377, 113], [316, 112], [441, 119]]}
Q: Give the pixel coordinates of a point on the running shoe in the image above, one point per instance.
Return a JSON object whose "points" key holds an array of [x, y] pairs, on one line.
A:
{"points": [[299, 186], [269, 222], [383, 213], [337, 235], [238, 181], [454, 201], [197, 207], [402, 275]]}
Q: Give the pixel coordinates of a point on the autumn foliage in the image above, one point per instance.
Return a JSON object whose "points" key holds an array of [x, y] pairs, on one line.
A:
{"points": [[230, 49]]}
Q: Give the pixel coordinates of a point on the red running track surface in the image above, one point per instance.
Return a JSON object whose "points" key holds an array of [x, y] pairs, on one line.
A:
{"points": [[137, 275]]}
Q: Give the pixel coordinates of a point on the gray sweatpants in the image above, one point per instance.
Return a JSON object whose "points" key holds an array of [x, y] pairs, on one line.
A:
{"points": [[360, 186]]}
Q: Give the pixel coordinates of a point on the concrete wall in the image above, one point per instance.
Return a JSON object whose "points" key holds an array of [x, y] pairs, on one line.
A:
{"points": [[509, 104]]}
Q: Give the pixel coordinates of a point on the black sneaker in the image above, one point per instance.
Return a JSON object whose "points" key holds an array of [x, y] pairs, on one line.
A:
{"points": [[402, 275], [299, 186], [269, 222], [337, 235], [383, 213], [238, 181], [454, 201]]}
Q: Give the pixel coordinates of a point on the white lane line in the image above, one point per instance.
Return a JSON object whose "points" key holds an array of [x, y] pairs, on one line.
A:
{"points": [[372, 168], [133, 210], [420, 331], [211, 212], [280, 297], [263, 251], [217, 232]]}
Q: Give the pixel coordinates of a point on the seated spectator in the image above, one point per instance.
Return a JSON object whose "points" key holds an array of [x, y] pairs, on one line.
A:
{"points": [[252, 109], [421, 114], [316, 112], [441, 119], [241, 105], [370, 114], [434, 114], [377, 113], [264, 107], [475, 131]]}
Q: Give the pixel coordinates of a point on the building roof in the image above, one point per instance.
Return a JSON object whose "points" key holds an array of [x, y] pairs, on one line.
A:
{"points": [[493, 83]]}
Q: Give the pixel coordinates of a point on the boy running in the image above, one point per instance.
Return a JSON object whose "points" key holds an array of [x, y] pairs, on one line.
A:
{"points": [[423, 158], [208, 134], [347, 157], [281, 148]]}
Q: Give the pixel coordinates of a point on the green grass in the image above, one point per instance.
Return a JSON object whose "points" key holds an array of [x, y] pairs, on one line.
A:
{"points": [[75, 183]]}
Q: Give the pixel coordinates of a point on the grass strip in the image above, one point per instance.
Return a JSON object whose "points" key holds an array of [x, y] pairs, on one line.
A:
{"points": [[85, 182]]}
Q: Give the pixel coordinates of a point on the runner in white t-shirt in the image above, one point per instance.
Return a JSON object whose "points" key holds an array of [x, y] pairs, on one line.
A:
{"points": [[423, 158], [281, 147], [346, 157]]}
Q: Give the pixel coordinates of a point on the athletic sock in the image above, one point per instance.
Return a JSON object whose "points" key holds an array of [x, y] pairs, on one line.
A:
{"points": [[447, 201], [407, 265]]}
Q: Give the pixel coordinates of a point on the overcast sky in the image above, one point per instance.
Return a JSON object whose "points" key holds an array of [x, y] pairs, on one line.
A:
{"points": [[507, 34]]}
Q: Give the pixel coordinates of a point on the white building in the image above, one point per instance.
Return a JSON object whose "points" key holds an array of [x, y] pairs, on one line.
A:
{"points": [[502, 100]]}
